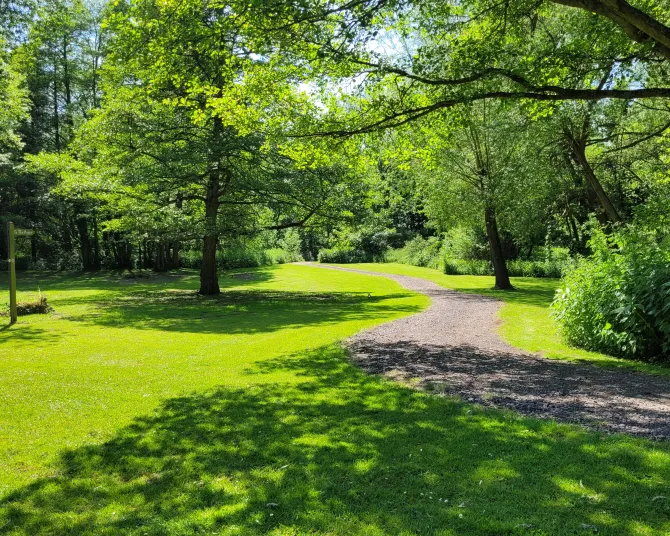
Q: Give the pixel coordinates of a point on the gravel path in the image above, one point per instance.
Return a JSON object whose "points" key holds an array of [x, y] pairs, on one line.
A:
{"points": [[453, 344]]}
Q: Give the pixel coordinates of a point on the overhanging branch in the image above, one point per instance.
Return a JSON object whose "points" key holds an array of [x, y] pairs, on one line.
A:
{"points": [[407, 115]]}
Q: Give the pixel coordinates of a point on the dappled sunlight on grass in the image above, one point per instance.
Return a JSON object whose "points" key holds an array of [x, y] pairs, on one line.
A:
{"points": [[114, 348], [141, 408], [345, 453]]}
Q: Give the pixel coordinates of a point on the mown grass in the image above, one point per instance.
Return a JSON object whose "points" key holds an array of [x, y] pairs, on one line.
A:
{"points": [[114, 348], [525, 318], [139, 408]]}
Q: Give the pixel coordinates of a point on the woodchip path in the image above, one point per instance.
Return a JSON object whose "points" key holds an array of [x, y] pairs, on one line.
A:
{"points": [[454, 344]]}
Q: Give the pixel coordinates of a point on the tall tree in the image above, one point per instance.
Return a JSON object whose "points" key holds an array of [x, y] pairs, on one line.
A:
{"points": [[481, 167]]}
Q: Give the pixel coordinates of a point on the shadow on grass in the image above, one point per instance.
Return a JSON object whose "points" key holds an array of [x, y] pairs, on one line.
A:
{"points": [[345, 453], [244, 311], [139, 280], [25, 333], [527, 291]]}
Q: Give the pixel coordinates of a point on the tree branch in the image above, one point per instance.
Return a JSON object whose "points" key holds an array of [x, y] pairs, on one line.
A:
{"points": [[639, 26], [552, 95]]}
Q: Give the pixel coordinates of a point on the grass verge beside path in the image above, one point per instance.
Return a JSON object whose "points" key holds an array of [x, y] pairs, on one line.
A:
{"points": [[139, 408], [328, 450], [115, 348], [526, 323]]}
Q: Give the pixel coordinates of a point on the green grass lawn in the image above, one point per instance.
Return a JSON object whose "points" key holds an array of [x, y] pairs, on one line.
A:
{"points": [[140, 408], [526, 322]]}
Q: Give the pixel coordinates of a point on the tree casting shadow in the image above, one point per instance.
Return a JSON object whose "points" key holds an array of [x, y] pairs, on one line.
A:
{"points": [[233, 311], [344, 453]]}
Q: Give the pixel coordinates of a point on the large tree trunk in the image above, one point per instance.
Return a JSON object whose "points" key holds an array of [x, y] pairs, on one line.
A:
{"points": [[578, 149], [209, 283], [159, 263], [497, 257]]}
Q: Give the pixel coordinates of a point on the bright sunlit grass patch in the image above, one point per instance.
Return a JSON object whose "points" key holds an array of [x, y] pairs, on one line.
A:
{"points": [[114, 348], [141, 408]]}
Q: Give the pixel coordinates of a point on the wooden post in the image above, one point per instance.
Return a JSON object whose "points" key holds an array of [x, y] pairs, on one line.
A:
{"points": [[11, 261]]}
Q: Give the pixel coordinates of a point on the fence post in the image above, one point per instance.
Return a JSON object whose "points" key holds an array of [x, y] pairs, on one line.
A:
{"points": [[11, 264]]}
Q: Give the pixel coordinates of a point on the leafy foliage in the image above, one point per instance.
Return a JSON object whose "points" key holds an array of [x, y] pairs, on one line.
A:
{"points": [[618, 301], [427, 252], [343, 255]]}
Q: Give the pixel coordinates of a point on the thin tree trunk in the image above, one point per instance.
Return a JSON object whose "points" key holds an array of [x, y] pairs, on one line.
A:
{"points": [[56, 117], [84, 243], [159, 264], [68, 91], [145, 262], [578, 244], [209, 283], [96, 244], [497, 257], [176, 246]]}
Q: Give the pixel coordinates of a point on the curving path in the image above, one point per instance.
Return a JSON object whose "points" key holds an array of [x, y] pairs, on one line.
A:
{"points": [[454, 345]]}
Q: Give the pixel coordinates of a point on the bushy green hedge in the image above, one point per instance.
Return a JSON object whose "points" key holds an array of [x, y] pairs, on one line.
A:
{"points": [[240, 256], [469, 267], [419, 251], [548, 268], [618, 300], [367, 244], [343, 256], [432, 252]]}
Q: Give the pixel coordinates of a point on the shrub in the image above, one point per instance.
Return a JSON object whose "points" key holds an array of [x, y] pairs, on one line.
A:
{"points": [[368, 243], [289, 250], [618, 300], [241, 255], [433, 253], [548, 268], [281, 256], [419, 252], [467, 244], [467, 267], [343, 255]]}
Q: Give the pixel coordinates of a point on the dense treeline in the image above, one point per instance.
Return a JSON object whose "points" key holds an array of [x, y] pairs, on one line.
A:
{"points": [[495, 138]]}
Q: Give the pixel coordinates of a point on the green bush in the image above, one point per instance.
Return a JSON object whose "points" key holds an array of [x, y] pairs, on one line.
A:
{"points": [[467, 267], [516, 268], [435, 253], [367, 243], [467, 244], [343, 255], [240, 255], [419, 251], [618, 300], [289, 249], [546, 268]]}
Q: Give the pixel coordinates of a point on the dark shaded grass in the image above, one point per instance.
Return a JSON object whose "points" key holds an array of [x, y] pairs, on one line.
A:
{"points": [[346, 453], [236, 311]]}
